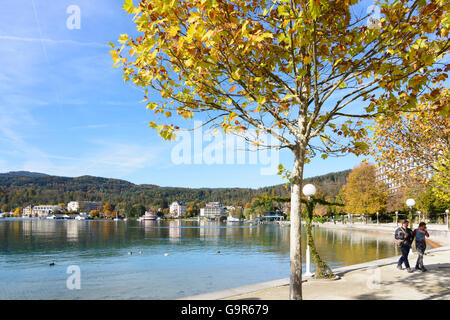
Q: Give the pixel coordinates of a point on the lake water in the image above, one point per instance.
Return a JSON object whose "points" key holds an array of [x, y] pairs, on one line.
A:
{"points": [[179, 258]]}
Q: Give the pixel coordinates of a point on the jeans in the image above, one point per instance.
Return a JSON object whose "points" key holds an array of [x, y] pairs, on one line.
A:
{"points": [[420, 246], [404, 257]]}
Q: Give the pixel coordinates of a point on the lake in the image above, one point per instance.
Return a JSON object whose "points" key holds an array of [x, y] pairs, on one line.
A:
{"points": [[178, 258]]}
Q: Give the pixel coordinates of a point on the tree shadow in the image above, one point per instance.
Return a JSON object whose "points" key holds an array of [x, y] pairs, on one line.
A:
{"points": [[434, 283]]}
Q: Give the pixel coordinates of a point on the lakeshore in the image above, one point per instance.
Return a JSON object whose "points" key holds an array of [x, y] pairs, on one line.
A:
{"points": [[378, 279]]}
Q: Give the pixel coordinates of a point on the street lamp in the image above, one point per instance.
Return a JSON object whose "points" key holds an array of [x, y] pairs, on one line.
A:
{"points": [[378, 221], [396, 218], [411, 203], [448, 225], [308, 190]]}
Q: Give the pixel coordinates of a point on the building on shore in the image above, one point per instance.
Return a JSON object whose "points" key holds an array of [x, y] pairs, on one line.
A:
{"points": [[83, 206], [177, 209], [28, 211], [46, 210], [398, 175], [212, 210]]}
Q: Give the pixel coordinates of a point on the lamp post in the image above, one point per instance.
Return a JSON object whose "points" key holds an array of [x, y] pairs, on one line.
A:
{"points": [[448, 225], [308, 190], [411, 203], [378, 221], [396, 218], [420, 217]]}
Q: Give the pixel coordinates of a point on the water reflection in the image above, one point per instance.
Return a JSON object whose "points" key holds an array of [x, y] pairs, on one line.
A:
{"points": [[248, 254]]}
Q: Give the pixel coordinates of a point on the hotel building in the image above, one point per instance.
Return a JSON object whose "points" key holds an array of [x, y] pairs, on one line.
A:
{"points": [[177, 209], [45, 210], [403, 171], [212, 210], [85, 206]]}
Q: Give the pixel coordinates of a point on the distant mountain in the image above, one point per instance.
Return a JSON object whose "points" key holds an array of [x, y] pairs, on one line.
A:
{"points": [[24, 174], [18, 189]]}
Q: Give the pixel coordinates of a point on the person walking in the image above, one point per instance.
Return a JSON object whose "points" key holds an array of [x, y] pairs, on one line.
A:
{"points": [[420, 234], [404, 237]]}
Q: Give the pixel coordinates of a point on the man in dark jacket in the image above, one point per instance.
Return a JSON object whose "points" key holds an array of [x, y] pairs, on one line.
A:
{"points": [[406, 235]]}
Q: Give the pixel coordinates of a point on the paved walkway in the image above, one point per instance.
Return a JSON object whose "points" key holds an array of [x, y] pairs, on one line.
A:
{"points": [[374, 280]]}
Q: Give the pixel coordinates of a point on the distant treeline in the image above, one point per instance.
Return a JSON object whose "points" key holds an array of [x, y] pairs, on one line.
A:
{"points": [[20, 189]]}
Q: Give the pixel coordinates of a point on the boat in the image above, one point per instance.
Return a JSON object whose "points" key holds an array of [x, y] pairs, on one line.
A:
{"points": [[79, 218], [233, 219], [148, 216]]}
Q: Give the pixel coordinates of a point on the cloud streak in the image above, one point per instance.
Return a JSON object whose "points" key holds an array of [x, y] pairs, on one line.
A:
{"points": [[56, 42]]}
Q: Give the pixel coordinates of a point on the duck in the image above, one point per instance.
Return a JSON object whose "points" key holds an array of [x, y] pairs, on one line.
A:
{"points": [[51, 264], [166, 254], [140, 251], [130, 253]]}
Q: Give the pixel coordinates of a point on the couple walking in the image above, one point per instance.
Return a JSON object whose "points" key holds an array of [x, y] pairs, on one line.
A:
{"points": [[404, 238]]}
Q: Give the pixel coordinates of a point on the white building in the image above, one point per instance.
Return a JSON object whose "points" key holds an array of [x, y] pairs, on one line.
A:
{"points": [[45, 210], [212, 210], [85, 206], [402, 170], [177, 209], [28, 211]]}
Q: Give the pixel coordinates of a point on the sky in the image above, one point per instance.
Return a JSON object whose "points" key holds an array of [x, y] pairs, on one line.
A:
{"points": [[65, 111]]}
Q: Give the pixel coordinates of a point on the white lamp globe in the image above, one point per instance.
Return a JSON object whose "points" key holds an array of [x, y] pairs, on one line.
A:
{"points": [[309, 190], [410, 202], [446, 211]]}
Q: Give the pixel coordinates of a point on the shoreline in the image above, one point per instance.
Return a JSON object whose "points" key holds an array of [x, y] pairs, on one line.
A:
{"points": [[441, 244], [277, 289]]}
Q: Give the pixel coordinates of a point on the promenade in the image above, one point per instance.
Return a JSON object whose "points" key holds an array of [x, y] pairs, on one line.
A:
{"points": [[374, 280], [379, 279]]}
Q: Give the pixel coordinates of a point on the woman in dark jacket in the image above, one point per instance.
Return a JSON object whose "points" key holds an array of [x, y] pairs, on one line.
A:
{"points": [[406, 236]]}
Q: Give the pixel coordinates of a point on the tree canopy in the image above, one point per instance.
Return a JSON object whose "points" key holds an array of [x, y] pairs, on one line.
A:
{"points": [[307, 72], [363, 194]]}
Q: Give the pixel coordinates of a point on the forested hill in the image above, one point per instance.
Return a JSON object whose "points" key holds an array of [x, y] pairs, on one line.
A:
{"points": [[18, 189]]}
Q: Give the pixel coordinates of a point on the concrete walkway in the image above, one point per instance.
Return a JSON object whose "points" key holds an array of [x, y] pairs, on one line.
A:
{"points": [[378, 279], [374, 280]]}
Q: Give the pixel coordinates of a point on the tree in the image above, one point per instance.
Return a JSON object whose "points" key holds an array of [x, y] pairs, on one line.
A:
{"points": [[419, 140], [5, 208], [363, 194], [304, 72], [137, 210], [18, 212], [322, 268], [94, 214], [107, 207], [237, 213]]}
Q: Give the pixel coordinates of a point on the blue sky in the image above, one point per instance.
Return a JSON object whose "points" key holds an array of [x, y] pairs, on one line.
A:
{"points": [[65, 111]]}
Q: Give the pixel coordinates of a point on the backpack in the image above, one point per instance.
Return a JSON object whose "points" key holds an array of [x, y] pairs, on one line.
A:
{"points": [[398, 242]]}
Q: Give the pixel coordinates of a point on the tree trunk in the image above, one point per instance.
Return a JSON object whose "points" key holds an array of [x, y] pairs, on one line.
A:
{"points": [[322, 269], [296, 227]]}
